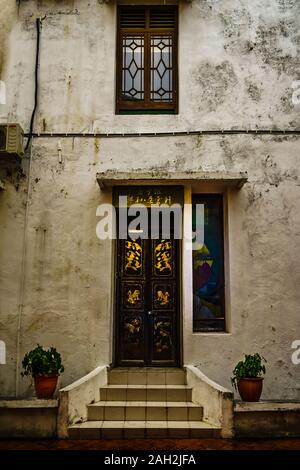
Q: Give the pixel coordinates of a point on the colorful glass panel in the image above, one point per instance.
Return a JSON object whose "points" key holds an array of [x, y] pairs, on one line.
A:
{"points": [[208, 267]]}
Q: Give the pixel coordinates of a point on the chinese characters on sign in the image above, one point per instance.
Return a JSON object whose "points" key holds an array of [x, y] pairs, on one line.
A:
{"points": [[149, 199]]}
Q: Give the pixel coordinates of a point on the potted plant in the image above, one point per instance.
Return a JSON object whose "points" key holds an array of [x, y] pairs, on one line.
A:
{"points": [[247, 377], [44, 366]]}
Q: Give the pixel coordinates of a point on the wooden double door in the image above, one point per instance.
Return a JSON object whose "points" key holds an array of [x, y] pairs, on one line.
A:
{"points": [[147, 302]]}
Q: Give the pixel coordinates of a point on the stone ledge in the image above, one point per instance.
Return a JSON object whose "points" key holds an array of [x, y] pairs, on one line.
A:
{"points": [[28, 418], [110, 178], [240, 406], [267, 419], [28, 403]]}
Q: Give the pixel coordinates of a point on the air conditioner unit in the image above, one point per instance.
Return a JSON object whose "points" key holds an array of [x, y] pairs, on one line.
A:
{"points": [[11, 140]]}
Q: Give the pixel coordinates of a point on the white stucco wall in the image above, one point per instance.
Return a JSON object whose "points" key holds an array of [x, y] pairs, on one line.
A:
{"points": [[237, 62]]}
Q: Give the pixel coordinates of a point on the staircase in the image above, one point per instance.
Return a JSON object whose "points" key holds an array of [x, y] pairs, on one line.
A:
{"points": [[144, 403]]}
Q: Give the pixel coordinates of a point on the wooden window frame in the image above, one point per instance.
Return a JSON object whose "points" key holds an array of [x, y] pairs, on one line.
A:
{"points": [[147, 106]]}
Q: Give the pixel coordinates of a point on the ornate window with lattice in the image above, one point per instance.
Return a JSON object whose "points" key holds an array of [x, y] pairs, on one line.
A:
{"points": [[147, 59]]}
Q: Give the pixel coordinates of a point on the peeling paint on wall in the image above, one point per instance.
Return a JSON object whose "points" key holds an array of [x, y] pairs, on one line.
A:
{"points": [[253, 90], [272, 49], [236, 30], [216, 81]]}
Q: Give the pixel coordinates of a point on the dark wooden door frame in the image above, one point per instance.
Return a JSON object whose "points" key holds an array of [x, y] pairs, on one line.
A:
{"points": [[179, 322]]}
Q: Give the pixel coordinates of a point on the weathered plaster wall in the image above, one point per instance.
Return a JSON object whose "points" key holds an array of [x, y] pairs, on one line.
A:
{"points": [[68, 283], [237, 62], [8, 15], [12, 217]]}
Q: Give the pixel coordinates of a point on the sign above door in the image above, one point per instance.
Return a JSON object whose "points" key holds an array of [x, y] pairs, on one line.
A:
{"points": [[147, 196]]}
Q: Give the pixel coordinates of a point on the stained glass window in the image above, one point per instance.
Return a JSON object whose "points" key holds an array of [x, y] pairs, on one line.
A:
{"points": [[208, 265]]}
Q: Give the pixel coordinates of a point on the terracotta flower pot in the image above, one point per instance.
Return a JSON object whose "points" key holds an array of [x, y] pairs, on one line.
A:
{"points": [[45, 385], [250, 388]]}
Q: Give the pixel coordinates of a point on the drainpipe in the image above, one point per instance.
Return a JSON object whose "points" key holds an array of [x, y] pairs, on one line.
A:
{"points": [[36, 81], [24, 249]]}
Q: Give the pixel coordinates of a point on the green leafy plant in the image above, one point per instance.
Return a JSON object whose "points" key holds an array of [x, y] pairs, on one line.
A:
{"points": [[40, 361], [251, 366]]}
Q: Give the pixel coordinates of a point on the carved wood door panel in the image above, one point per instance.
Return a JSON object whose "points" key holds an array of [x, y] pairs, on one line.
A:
{"points": [[147, 319]]}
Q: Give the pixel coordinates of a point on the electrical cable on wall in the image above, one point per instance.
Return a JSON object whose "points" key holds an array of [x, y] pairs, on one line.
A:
{"points": [[38, 23], [165, 134]]}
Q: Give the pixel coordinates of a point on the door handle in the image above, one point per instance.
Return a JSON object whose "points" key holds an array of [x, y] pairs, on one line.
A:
{"points": [[150, 312]]}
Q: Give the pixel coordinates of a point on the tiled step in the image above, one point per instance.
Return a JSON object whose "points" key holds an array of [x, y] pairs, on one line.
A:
{"points": [[144, 403], [146, 392], [144, 411], [146, 376], [143, 429]]}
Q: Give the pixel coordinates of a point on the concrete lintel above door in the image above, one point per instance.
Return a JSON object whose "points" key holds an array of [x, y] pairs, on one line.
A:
{"points": [[111, 178]]}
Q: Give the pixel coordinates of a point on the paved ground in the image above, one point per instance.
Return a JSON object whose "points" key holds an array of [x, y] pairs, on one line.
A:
{"points": [[153, 444]]}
